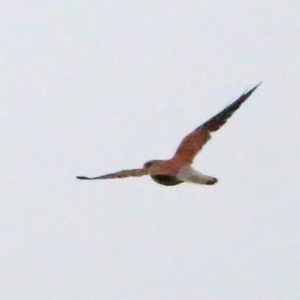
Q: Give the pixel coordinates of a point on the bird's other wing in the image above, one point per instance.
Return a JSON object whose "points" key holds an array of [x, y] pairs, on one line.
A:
{"points": [[193, 143], [120, 174]]}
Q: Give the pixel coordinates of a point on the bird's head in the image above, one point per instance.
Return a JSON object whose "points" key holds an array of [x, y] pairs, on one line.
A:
{"points": [[153, 166]]}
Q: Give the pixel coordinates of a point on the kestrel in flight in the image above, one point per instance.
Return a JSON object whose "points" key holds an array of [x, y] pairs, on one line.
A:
{"points": [[178, 169]]}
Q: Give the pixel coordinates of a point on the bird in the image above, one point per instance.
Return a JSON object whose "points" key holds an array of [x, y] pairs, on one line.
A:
{"points": [[179, 168]]}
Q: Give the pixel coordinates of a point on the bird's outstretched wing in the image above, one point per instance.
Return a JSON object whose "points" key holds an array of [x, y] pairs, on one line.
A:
{"points": [[193, 143], [120, 174]]}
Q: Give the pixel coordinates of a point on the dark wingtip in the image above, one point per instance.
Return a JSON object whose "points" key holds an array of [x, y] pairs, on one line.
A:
{"points": [[258, 85], [82, 177], [253, 89]]}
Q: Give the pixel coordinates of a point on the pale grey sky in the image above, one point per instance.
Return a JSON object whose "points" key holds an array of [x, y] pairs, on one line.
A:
{"points": [[92, 87]]}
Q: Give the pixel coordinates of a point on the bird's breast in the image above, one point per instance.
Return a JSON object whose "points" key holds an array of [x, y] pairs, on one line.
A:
{"points": [[166, 179]]}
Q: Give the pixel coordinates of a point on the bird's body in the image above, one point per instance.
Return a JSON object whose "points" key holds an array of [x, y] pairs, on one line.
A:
{"points": [[178, 169]]}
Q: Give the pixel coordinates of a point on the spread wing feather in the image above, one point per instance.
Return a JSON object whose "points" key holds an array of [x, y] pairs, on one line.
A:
{"points": [[193, 143], [120, 174]]}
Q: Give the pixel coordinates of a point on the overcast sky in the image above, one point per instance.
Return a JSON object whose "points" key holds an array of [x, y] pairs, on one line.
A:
{"points": [[93, 87]]}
